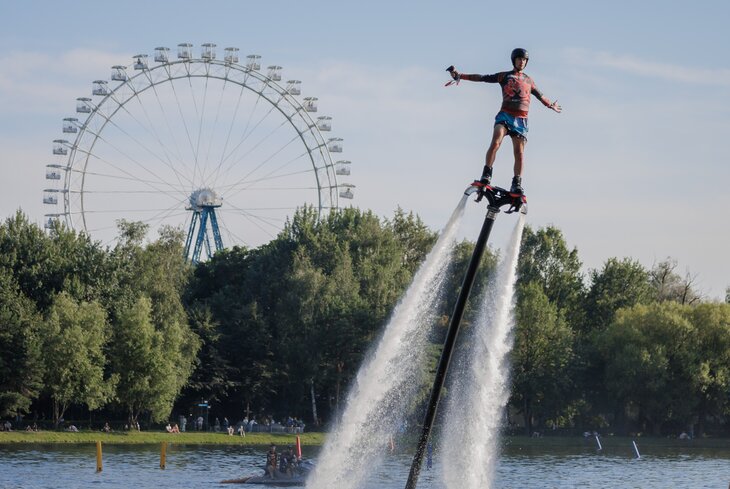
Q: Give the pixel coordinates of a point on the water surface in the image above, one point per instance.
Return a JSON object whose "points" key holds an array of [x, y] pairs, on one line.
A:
{"points": [[522, 464]]}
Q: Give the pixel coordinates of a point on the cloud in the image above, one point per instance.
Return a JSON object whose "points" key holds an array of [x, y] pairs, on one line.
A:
{"points": [[649, 68], [37, 82]]}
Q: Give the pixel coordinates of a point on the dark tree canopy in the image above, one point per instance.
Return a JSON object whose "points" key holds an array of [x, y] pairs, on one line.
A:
{"points": [[282, 329]]}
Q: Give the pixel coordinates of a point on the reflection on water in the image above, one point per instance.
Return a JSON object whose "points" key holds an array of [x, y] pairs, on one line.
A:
{"points": [[523, 464]]}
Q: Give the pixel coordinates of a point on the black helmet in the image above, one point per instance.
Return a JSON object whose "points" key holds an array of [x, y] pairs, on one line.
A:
{"points": [[519, 53]]}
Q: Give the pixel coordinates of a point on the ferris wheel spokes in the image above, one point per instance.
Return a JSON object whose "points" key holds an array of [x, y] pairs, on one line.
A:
{"points": [[180, 140], [159, 180], [141, 144], [172, 133]]}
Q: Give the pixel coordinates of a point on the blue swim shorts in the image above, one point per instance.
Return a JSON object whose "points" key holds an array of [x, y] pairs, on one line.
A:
{"points": [[516, 126]]}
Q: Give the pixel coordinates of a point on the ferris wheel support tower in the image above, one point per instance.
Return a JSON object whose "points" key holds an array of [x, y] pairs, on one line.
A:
{"points": [[203, 204]]}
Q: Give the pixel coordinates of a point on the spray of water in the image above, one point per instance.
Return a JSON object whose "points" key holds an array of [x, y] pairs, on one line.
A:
{"points": [[386, 381], [475, 409]]}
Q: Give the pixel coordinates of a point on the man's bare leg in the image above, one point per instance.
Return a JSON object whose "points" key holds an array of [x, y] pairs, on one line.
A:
{"points": [[518, 145], [497, 136]]}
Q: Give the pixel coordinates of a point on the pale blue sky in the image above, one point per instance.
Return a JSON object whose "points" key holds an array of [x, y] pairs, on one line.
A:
{"points": [[635, 166]]}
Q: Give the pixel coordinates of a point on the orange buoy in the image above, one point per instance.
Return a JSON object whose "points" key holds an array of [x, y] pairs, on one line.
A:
{"points": [[299, 448]]}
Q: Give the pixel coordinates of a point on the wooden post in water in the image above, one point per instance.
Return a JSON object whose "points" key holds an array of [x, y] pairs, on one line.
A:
{"points": [[98, 456], [163, 455]]}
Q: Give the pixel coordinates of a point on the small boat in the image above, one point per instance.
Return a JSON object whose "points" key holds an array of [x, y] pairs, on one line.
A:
{"points": [[298, 478]]}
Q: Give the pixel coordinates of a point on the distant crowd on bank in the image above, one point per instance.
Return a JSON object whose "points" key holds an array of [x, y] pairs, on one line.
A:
{"points": [[263, 424], [266, 424]]}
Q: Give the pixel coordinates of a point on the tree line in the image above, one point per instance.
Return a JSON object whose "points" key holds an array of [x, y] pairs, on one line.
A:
{"points": [[133, 330]]}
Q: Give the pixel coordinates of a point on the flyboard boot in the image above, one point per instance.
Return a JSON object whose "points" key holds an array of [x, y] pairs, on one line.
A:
{"points": [[516, 185], [483, 183], [485, 180]]}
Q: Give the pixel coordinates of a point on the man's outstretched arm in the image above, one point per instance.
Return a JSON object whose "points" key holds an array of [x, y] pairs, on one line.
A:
{"points": [[546, 101], [456, 75]]}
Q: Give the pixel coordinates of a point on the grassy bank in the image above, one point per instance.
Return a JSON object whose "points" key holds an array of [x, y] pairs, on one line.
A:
{"points": [[317, 439], [134, 437]]}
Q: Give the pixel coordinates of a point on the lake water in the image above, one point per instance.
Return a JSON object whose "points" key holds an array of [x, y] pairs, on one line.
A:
{"points": [[523, 464]]}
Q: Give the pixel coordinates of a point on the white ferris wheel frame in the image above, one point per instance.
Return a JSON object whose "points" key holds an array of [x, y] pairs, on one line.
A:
{"points": [[267, 87]]}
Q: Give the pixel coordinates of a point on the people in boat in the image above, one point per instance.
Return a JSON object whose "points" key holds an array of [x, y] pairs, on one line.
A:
{"points": [[271, 458], [284, 462], [288, 462]]}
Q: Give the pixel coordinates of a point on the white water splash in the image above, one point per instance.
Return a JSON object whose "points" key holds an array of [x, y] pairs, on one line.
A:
{"points": [[387, 380], [476, 407]]}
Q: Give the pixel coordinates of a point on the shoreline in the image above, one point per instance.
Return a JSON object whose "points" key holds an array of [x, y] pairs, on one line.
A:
{"points": [[317, 439], [151, 437]]}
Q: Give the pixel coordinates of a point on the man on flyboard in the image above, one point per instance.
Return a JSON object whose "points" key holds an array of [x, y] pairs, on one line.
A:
{"points": [[512, 117]]}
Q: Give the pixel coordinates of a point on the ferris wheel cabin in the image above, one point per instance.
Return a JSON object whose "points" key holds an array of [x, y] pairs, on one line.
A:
{"points": [[334, 145], [324, 123], [347, 193], [342, 167], [162, 54], [70, 125], [50, 196], [100, 87], [60, 147], [83, 105], [207, 51], [185, 50], [53, 172], [310, 104], [51, 220], [253, 62], [119, 73], [231, 55], [140, 62], [294, 87], [274, 73]]}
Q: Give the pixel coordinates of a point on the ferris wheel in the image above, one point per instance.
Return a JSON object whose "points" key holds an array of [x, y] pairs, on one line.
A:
{"points": [[223, 149]]}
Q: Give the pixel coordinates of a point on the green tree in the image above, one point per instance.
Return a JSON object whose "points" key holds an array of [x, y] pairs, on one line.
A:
{"points": [[146, 374], [541, 357], [151, 329], [619, 284], [297, 315], [26, 252], [74, 358], [45, 264], [546, 259], [21, 364], [236, 287], [414, 237], [213, 376], [650, 354], [712, 371]]}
